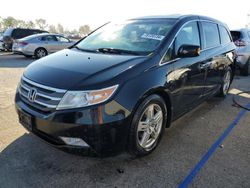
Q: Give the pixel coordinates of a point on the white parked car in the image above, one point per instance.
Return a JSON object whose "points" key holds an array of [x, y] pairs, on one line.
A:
{"points": [[40, 45]]}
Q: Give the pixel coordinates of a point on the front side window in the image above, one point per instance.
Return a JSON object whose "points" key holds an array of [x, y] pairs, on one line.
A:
{"points": [[141, 36], [16, 33], [225, 38], [212, 38], [48, 38], [188, 35], [62, 39]]}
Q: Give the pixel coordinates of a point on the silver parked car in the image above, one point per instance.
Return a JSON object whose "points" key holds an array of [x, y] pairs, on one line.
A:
{"points": [[1, 44], [40, 45], [241, 39]]}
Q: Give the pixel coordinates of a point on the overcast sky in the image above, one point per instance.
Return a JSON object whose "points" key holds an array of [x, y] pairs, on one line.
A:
{"points": [[95, 13]]}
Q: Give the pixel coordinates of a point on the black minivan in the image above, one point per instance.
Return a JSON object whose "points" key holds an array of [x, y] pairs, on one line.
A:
{"points": [[12, 34], [118, 88]]}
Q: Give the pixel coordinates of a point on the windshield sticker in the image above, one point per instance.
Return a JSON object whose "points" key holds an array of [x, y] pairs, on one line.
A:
{"points": [[152, 36]]}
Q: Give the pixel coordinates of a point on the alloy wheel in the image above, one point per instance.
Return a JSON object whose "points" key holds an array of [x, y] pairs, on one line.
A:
{"points": [[41, 53], [150, 126], [227, 81]]}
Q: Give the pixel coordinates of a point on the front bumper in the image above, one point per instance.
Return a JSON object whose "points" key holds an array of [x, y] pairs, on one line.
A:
{"points": [[105, 130]]}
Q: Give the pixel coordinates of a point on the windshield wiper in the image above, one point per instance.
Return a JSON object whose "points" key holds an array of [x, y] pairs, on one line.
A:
{"points": [[82, 49], [116, 51]]}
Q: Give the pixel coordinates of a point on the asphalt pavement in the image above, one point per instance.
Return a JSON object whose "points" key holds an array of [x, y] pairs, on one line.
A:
{"points": [[188, 153]]}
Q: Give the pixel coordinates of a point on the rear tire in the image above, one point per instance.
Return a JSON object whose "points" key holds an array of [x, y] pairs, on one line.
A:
{"points": [[226, 83], [245, 71], [147, 126], [40, 52]]}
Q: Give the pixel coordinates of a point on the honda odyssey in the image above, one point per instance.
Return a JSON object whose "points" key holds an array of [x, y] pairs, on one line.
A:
{"points": [[121, 86]]}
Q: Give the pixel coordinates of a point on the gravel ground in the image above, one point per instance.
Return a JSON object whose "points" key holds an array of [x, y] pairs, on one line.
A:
{"points": [[25, 161]]}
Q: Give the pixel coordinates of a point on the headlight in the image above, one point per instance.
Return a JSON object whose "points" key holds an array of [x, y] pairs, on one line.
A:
{"points": [[77, 99]]}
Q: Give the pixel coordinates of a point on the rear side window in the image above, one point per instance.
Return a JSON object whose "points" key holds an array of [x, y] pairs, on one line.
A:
{"points": [[48, 38], [211, 32], [189, 34], [236, 35], [32, 32], [23, 33], [224, 35], [16, 34], [19, 33]]}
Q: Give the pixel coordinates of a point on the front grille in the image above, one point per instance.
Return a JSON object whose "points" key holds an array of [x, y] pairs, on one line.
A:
{"points": [[46, 98]]}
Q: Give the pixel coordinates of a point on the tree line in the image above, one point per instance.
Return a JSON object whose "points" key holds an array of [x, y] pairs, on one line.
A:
{"points": [[42, 24]]}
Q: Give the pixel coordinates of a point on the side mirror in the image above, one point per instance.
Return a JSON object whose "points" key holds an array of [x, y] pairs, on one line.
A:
{"points": [[188, 51]]}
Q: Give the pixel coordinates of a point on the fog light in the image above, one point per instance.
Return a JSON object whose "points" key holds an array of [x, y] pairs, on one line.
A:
{"points": [[74, 141]]}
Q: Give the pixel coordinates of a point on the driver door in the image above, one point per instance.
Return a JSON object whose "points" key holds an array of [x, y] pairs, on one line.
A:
{"points": [[189, 76]]}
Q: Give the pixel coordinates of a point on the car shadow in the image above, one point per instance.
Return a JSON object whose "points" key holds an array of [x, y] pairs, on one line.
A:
{"points": [[33, 160], [28, 161]]}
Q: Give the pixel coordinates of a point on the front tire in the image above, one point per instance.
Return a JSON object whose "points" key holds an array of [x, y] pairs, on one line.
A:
{"points": [[147, 126], [40, 52]]}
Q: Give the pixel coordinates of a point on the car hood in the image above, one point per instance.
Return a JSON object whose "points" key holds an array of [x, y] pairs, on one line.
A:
{"points": [[67, 68]]}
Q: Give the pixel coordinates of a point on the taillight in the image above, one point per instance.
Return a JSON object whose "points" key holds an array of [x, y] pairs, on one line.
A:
{"points": [[240, 43], [23, 43]]}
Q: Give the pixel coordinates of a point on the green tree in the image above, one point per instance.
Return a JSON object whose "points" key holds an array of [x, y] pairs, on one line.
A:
{"points": [[9, 22], [21, 23], [84, 30], [60, 28], [30, 24], [1, 24], [52, 29], [41, 24]]}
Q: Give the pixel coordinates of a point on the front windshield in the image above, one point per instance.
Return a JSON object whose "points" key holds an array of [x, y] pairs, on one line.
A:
{"points": [[141, 36]]}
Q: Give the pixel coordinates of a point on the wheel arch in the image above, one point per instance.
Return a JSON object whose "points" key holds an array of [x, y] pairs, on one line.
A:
{"points": [[165, 95], [40, 48]]}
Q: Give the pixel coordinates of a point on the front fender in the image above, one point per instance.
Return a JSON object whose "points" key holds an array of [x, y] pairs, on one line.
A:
{"points": [[152, 81]]}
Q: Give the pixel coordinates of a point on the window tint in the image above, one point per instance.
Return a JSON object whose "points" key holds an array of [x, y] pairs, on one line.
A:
{"points": [[32, 32], [23, 33], [236, 35], [225, 38], [20, 33], [62, 39], [189, 34], [248, 34], [211, 33], [48, 38], [16, 33]]}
